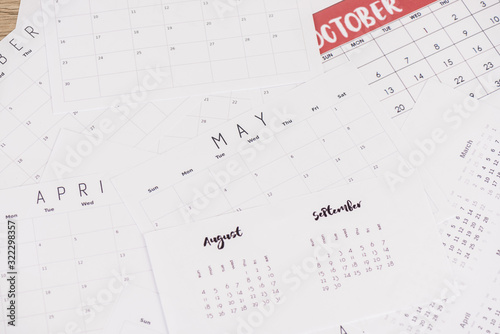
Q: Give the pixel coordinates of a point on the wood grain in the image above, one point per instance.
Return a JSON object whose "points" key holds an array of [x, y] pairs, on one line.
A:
{"points": [[8, 16]]}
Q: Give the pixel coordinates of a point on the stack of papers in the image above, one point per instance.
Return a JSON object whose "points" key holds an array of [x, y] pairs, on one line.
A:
{"points": [[270, 166]]}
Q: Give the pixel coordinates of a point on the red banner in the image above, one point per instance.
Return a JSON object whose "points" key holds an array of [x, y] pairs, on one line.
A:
{"points": [[350, 19]]}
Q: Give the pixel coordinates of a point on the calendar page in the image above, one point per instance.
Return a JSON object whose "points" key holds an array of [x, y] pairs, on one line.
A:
{"points": [[293, 267], [453, 136], [460, 133], [325, 133], [398, 45], [77, 248], [101, 50], [138, 310]]}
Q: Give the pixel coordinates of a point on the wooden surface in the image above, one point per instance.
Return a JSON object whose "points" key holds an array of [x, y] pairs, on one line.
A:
{"points": [[8, 16]]}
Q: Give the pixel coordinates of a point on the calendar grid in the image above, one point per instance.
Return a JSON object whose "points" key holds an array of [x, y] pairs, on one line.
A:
{"points": [[345, 127]]}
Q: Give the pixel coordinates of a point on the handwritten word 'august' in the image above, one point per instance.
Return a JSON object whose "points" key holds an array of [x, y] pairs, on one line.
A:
{"points": [[220, 238]]}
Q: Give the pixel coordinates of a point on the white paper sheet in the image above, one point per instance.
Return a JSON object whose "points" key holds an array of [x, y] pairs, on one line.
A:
{"points": [[302, 265]]}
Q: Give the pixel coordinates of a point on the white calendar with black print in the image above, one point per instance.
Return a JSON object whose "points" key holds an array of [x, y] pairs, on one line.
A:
{"points": [[399, 45], [323, 134], [77, 250], [100, 50], [302, 265]]}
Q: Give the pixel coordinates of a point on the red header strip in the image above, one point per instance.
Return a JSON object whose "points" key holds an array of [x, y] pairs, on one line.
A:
{"points": [[350, 19]]}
